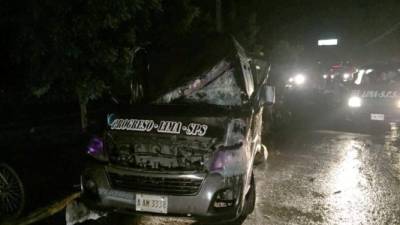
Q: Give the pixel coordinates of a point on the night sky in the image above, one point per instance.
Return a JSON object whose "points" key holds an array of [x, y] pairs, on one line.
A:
{"points": [[356, 23]]}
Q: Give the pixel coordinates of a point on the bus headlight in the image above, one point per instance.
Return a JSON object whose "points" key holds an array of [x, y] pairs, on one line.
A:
{"points": [[354, 102]]}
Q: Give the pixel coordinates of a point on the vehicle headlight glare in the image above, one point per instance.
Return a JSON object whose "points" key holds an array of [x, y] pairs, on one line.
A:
{"points": [[398, 104], [299, 79], [354, 102]]}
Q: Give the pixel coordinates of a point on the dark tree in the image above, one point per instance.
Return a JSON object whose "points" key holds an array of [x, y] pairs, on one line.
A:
{"points": [[80, 48]]}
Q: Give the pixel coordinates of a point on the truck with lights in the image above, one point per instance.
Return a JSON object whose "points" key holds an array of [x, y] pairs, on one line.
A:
{"points": [[188, 153]]}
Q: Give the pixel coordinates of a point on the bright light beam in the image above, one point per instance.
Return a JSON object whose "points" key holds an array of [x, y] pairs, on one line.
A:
{"points": [[328, 42]]}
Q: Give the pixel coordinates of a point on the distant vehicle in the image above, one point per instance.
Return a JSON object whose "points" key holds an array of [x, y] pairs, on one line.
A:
{"points": [[302, 92], [297, 81], [189, 153], [334, 81], [12, 194], [338, 77], [340, 73], [375, 94]]}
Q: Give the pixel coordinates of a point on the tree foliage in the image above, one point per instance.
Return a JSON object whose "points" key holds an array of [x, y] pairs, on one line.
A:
{"points": [[82, 46], [74, 50], [79, 48]]}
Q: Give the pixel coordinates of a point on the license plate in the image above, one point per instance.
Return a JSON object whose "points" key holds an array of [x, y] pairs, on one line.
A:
{"points": [[151, 203], [380, 117]]}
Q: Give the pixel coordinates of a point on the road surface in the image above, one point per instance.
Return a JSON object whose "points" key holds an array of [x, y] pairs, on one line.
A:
{"points": [[321, 177]]}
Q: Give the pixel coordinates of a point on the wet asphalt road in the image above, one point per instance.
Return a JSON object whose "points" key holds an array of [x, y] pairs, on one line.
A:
{"points": [[322, 177]]}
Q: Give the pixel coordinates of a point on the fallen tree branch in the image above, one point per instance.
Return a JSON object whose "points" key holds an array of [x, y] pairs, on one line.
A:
{"points": [[44, 212]]}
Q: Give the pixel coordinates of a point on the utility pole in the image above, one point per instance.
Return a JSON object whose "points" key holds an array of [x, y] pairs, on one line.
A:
{"points": [[218, 16], [383, 35]]}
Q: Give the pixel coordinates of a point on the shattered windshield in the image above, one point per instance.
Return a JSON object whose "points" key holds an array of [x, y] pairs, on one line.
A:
{"points": [[224, 91], [219, 86]]}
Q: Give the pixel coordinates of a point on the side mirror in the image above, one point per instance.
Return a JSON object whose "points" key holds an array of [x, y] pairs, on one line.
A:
{"points": [[267, 95]]}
